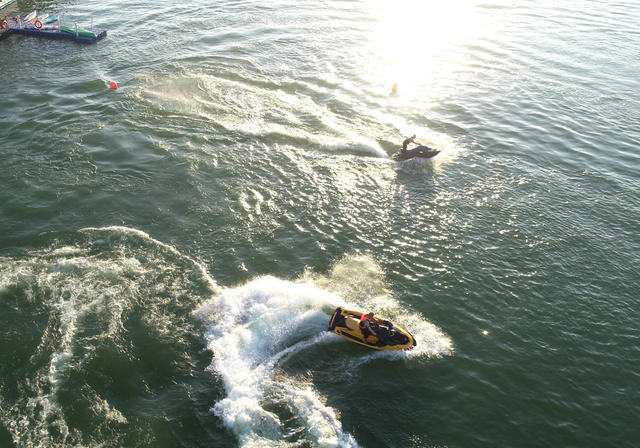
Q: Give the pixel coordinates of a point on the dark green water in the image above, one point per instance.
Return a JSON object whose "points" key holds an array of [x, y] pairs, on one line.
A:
{"points": [[170, 252]]}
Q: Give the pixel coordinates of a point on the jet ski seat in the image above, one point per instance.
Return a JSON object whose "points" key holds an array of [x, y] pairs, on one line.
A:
{"points": [[352, 323]]}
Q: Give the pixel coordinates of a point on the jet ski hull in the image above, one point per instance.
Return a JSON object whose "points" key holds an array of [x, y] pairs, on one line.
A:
{"points": [[419, 152], [346, 323]]}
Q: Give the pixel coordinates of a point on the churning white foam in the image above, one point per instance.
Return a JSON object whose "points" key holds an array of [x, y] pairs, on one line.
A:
{"points": [[253, 327], [250, 329]]}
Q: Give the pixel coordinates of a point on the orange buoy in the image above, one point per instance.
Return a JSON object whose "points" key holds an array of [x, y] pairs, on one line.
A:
{"points": [[113, 85]]}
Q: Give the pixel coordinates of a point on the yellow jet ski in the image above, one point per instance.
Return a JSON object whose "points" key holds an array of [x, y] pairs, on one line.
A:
{"points": [[346, 323]]}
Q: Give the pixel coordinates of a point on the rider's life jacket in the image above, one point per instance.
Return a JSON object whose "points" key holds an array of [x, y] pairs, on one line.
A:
{"points": [[364, 318]]}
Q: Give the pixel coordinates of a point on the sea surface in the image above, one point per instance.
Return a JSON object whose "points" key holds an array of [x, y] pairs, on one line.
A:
{"points": [[171, 251]]}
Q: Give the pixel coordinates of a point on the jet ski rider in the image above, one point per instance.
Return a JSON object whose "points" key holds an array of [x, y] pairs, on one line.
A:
{"points": [[418, 149], [367, 326], [406, 142]]}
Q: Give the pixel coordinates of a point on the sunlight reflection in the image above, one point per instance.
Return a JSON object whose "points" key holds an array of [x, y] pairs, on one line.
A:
{"points": [[413, 35]]}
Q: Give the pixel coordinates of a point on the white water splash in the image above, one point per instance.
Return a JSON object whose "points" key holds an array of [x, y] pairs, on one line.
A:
{"points": [[253, 328], [250, 329]]}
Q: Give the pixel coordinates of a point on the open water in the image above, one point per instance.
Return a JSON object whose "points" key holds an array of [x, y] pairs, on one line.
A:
{"points": [[170, 252]]}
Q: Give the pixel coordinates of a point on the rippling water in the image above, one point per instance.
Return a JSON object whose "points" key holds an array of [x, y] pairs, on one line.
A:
{"points": [[170, 252]]}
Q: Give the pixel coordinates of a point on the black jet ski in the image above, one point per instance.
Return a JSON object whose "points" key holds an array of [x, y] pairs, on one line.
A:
{"points": [[346, 323], [419, 152]]}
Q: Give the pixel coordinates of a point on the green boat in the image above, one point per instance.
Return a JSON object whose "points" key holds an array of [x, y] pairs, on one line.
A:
{"points": [[79, 31]]}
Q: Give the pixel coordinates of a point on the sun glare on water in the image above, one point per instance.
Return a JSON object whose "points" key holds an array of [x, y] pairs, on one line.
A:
{"points": [[412, 35]]}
